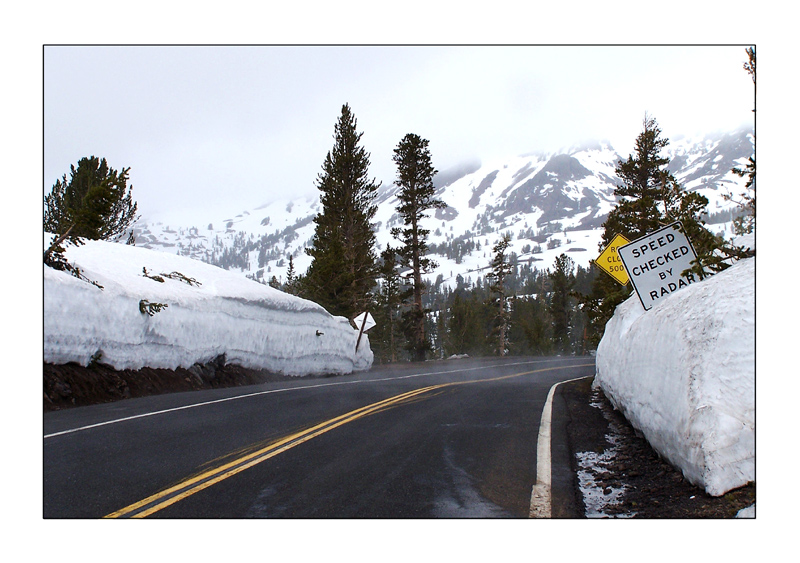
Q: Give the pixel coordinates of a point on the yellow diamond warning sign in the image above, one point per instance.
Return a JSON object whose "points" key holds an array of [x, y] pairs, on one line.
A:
{"points": [[609, 260]]}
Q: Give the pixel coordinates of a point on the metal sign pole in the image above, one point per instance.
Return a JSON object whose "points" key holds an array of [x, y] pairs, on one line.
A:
{"points": [[360, 332]]}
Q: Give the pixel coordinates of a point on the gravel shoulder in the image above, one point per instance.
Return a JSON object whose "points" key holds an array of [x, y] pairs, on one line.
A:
{"points": [[621, 476]]}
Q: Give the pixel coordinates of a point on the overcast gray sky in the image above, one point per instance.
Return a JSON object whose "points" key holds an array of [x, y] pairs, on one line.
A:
{"points": [[231, 127]]}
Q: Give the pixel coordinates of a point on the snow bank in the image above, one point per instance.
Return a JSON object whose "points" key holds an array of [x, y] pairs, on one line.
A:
{"points": [[683, 374], [254, 325]]}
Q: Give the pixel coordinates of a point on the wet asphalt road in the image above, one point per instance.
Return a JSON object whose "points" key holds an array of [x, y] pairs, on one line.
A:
{"points": [[435, 440]]}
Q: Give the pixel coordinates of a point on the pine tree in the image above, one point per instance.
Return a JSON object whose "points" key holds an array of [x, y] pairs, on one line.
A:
{"points": [[649, 197], [562, 280], [416, 196], [531, 326], [442, 319], [746, 224], [385, 337], [714, 253], [291, 278], [642, 196], [342, 272], [644, 177], [500, 269], [464, 327], [96, 203]]}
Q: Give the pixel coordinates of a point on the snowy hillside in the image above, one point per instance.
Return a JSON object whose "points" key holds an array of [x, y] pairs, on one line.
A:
{"points": [[551, 203], [208, 312], [683, 374]]}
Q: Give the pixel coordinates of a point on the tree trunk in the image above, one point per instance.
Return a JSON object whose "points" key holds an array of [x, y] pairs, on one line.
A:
{"points": [[419, 332], [58, 241]]}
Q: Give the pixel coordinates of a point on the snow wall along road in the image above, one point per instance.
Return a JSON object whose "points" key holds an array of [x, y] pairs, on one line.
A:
{"points": [[254, 325], [683, 374]]}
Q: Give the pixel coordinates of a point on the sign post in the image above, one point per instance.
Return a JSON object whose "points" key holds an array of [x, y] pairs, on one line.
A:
{"points": [[656, 263], [366, 322], [609, 261]]}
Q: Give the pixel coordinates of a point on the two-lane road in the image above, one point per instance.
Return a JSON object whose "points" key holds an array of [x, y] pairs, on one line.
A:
{"points": [[440, 439]]}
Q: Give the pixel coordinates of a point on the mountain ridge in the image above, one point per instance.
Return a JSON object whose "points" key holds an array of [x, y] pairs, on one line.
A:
{"points": [[551, 202]]}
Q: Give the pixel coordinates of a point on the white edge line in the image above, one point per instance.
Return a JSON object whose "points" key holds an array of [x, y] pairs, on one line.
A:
{"points": [[144, 415], [541, 499]]}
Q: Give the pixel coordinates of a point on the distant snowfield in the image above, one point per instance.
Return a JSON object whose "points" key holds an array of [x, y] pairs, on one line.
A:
{"points": [[254, 325], [683, 374]]}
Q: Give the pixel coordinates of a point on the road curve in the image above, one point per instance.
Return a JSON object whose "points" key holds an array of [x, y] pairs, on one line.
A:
{"points": [[439, 439]]}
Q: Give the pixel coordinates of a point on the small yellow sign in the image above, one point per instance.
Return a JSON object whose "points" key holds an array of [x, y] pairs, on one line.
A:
{"points": [[609, 260]]}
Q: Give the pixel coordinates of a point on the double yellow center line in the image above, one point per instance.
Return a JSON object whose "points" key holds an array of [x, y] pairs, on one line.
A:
{"points": [[195, 484]]}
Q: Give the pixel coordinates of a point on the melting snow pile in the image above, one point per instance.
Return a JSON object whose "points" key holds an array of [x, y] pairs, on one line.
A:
{"points": [[683, 374], [209, 312]]}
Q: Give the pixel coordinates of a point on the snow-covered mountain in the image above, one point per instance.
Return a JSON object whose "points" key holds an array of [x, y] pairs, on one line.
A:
{"points": [[549, 202]]}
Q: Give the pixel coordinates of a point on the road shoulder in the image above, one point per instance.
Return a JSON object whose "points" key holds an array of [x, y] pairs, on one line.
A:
{"points": [[622, 476]]}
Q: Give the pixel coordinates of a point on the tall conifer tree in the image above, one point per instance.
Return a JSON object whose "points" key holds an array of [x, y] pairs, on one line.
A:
{"points": [[649, 197], [643, 178], [643, 190], [343, 271], [385, 338], [501, 269], [562, 280], [416, 196]]}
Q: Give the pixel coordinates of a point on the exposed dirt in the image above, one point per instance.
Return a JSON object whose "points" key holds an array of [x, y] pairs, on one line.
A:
{"points": [[72, 385], [652, 488]]}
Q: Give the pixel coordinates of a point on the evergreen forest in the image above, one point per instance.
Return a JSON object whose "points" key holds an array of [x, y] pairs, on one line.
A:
{"points": [[542, 309]]}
